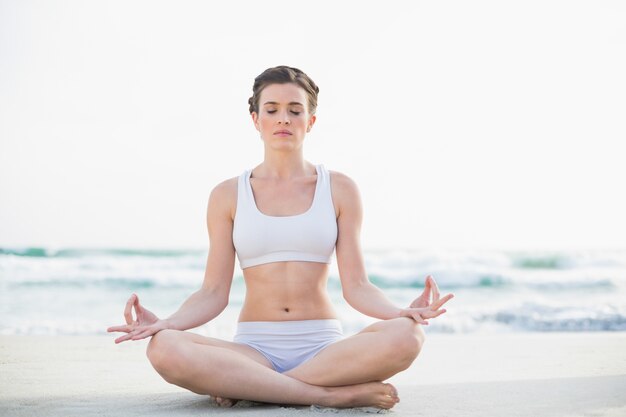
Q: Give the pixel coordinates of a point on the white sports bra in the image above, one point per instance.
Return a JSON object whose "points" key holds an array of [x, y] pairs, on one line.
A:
{"points": [[309, 236]]}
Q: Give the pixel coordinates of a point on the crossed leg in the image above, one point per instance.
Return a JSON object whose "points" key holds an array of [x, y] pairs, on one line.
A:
{"points": [[230, 370], [376, 353]]}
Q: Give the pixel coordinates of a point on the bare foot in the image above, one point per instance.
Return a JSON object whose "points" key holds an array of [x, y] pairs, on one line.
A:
{"points": [[371, 394], [225, 402]]}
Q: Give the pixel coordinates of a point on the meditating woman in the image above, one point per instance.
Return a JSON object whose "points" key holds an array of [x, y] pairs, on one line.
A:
{"points": [[283, 219]]}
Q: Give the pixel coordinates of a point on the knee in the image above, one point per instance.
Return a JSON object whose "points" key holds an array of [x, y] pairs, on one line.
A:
{"points": [[164, 353], [406, 340]]}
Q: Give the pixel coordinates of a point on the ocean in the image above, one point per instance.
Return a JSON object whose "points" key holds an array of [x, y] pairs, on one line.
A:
{"points": [[83, 291]]}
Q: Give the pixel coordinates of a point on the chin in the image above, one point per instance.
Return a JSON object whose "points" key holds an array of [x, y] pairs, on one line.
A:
{"points": [[284, 145]]}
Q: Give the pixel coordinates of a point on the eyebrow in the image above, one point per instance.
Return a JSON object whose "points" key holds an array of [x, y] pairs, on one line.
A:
{"points": [[292, 103]]}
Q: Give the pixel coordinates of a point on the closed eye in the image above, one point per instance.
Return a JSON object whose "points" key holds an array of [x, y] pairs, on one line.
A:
{"points": [[295, 113]]}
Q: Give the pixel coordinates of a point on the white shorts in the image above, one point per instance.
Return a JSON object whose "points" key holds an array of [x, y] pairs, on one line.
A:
{"points": [[287, 344]]}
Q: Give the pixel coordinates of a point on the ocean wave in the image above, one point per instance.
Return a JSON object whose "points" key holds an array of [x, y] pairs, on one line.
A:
{"points": [[130, 283], [508, 279], [506, 321], [41, 289], [531, 317], [413, 259], [393, 269], [40, 252]]}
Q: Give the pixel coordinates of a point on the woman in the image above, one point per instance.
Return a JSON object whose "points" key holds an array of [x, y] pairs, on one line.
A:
{"points": [[283, 219]]}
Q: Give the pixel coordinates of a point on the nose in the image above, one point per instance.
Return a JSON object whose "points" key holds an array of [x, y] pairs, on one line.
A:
{"points": [[284, 119]]}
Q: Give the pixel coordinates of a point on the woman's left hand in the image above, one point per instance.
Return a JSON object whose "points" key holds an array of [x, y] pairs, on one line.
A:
{"points": [[422, 307]]}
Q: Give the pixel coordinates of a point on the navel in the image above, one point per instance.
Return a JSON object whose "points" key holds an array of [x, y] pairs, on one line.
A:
{"points": [[286, 310]]}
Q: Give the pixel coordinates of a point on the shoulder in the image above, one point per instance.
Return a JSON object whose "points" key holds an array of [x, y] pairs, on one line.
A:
{"points": [[225, 188], [223, 197], [343, 184], [345, 192]]}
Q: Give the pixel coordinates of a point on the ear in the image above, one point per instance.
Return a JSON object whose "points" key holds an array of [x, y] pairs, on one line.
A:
{"points": [[312, 120], [255, 120]]}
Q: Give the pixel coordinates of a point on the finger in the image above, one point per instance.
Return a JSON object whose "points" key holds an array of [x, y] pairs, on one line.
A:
{"points": [[427, 285], [144, 334], [434, 287], [125, 328], [123, 338], [427, 312], [128, 311], [424, 296], [418, 318], [138, 306], [437, 304], [433, 314]]}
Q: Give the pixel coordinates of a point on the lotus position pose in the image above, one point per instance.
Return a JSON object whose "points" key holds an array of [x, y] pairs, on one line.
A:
{"points": [[283, 219]]}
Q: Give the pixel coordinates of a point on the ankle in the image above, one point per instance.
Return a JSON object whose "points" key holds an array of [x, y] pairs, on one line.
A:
{"points": [[329, 397]]}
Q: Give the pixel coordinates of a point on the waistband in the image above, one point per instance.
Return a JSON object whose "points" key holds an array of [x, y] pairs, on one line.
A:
{"points": [[288, 326]]}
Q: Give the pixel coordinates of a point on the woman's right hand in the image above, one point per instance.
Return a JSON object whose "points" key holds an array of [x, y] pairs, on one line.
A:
{"points": [[146, 324]]}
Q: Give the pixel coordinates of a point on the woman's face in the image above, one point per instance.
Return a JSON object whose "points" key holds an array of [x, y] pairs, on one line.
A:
{"points": [[283, 118]]}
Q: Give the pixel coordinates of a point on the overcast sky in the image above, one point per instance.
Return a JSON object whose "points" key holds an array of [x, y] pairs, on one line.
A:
{"points": [[466, 124]]}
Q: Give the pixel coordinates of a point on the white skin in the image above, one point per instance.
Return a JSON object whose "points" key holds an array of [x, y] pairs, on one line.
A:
{"points": [[347, 373]]}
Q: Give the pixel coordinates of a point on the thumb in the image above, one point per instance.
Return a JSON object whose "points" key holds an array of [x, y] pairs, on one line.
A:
{"points": [[138, 307], [427, 286]]}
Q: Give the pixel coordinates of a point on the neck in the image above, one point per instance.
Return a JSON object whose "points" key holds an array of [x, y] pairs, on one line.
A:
{"points": [[284, 165]]}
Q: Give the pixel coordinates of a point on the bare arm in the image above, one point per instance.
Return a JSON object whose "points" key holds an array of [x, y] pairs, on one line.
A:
{"points": [[210, 300], [358, 291]]}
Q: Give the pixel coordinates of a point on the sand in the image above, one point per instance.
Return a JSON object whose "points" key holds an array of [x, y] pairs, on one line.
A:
{"points": [[518, 374]]}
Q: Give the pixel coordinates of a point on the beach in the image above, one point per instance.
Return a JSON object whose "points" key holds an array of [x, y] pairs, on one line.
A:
{"points": [[472, 374], [527, 334]]}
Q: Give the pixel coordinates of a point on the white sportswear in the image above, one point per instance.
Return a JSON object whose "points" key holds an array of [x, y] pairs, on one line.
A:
{"points": [[309, 236]]}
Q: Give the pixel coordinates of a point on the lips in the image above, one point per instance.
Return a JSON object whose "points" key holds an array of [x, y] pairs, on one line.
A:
{"points": [[282, 133]]}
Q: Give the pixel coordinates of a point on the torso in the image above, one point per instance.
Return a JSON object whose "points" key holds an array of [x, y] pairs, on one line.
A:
{"points": [[293, 290], [286, 291]]}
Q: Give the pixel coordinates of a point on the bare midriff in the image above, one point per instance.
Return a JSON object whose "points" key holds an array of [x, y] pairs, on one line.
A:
{"points": [[280, 291]]}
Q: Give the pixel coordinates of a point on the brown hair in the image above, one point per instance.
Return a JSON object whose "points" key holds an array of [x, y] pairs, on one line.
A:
{"points": [[283, 75]]}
